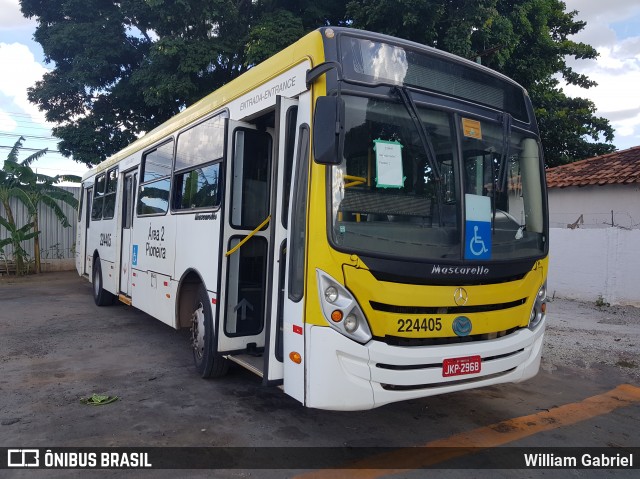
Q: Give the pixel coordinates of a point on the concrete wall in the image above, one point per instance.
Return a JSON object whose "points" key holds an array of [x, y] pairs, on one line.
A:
{"points": [[595, 204], [587, 264]]}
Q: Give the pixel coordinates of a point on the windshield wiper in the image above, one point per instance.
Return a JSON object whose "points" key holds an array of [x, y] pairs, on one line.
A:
{"points": [[501, 179], [410, 106], [504, 157]]}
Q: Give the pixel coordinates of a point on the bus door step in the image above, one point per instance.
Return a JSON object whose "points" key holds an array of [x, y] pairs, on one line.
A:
{"points": [[124, 299], [255, 364]]}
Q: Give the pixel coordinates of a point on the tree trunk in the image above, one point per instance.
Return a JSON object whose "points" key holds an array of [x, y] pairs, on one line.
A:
{"points": [[12, 222], [8, 212], [36, 243]]}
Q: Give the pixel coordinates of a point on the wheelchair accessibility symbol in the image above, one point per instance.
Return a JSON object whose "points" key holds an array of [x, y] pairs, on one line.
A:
{"points": [[478, 240], [477, 245]]}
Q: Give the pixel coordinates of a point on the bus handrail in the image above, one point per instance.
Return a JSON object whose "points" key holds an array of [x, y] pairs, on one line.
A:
{"points": [[246, 238]]}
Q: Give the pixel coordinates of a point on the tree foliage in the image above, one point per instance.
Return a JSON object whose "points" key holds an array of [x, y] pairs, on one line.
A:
{"points": [[527, 40], [123, 67]]}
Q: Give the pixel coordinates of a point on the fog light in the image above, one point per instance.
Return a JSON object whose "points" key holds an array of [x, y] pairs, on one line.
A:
{"points": [[351, 323]]}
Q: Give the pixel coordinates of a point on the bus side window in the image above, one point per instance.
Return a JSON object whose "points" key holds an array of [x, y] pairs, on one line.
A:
{"points": [[110, 194], [197, 167], [292, 116], [153, 198], [98, 197], [80, 204], [298, 218], [251, 177]]}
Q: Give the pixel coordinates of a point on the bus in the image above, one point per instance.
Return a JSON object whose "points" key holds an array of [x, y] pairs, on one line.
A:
{"points": [[358, 220]]}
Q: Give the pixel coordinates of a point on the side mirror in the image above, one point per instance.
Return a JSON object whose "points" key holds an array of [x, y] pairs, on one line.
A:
{"points": [[328, 130]]}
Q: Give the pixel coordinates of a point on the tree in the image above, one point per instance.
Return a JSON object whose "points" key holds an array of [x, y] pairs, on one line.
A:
{"points": [[569, 128], [8, 184], [34, 189], [10, 188], [123, 67], [527, 40], [17, 236]]}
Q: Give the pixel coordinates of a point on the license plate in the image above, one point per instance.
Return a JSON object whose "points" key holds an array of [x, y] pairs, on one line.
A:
{"points": [[461, 366]]}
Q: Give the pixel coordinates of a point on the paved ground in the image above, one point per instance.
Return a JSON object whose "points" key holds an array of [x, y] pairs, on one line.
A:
{"points": [[56, 346]]}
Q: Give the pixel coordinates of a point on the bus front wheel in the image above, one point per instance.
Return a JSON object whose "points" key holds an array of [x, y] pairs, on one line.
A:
{"points": [[208, 363], [101, 296]]}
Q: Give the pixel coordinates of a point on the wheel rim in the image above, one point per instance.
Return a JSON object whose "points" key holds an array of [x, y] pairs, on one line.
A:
{"points": [[197, 331]]}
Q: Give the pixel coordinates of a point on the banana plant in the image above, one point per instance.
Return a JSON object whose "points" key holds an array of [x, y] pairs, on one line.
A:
{"points": [[16, 237], [34, 189]]}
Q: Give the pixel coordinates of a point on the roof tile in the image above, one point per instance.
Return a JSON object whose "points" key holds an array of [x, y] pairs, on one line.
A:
{"points": [[619, 167]]}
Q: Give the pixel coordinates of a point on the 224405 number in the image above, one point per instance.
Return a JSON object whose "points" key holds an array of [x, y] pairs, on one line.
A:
{"points": [[419, 324]]}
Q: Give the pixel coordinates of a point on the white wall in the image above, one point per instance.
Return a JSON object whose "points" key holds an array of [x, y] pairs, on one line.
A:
{"points": [[595, 203], [586, 264]]}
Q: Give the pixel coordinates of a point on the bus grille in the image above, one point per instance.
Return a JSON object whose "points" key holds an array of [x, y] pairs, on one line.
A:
{"points": [[410, 342], [482, 308]]}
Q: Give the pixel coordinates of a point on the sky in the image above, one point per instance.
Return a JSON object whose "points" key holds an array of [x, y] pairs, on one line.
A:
{"points": [[613, 28]]}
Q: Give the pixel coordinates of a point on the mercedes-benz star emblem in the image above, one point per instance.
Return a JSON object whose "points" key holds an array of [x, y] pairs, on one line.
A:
{"points": [[460, 296]]}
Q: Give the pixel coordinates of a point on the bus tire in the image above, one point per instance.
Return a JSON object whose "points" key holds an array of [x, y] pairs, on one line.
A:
{"points": [[101, 296], [208, 363]]}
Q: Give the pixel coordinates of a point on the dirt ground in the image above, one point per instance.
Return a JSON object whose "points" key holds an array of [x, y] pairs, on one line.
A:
{"points": [[590, 337]]}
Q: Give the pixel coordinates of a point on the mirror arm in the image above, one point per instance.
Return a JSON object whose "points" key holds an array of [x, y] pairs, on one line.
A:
{"points": [[319, 70], [315, 73]]}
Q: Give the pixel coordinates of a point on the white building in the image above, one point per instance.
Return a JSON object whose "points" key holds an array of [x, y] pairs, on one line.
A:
{"points": [[598, 192], [594, 214]]}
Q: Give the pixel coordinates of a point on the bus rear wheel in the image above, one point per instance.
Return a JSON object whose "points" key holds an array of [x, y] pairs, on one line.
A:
{"points": [[208, 363], [101, 296]]}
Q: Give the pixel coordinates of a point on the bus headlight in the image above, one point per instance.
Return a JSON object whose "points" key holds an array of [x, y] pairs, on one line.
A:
{"points": [[331, 294], [539, 310], [341, 310]]}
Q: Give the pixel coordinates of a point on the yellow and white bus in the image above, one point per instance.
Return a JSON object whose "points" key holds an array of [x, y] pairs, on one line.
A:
{"points": [[359, 219]]}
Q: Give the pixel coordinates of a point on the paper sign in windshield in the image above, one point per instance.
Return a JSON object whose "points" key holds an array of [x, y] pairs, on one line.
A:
{"points": [[471, 128], [388, 164]]}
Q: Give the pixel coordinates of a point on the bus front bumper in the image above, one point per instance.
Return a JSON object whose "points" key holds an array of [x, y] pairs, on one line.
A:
{"points": [[345, 375]]}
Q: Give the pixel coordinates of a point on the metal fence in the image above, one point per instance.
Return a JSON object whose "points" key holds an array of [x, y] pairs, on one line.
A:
{"points": [[56, 242]]}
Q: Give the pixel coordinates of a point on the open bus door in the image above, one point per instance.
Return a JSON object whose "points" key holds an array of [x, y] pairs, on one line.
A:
{"points": [[286, 122], [286, 333], [242, 300], [252, 298]]}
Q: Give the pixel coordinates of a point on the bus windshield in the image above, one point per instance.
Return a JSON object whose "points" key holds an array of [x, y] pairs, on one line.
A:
{"points": [[486, 203]]}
